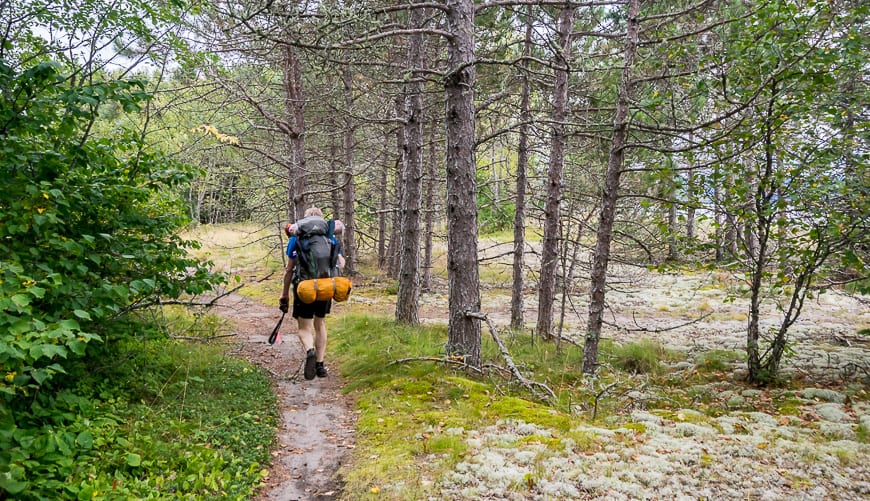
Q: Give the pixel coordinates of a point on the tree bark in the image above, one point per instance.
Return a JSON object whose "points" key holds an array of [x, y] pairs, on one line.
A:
{"points": [[517, 320], [690, 210], [462, 267], [348, 218], [550, 250], [395, 214], [295, 104], [335, 161], [607, 213], [429, 200], [382, 216], [408, 296]]}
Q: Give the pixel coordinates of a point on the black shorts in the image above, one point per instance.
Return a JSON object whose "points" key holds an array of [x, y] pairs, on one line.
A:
{"points": [[316, 309]]}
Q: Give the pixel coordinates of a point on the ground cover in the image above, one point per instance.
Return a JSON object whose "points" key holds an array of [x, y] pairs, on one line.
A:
{"points": [[151, 417], [667, 417]]}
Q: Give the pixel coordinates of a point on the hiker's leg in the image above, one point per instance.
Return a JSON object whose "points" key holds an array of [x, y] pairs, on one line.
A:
{"points": [[306, 332], [320, 337]]}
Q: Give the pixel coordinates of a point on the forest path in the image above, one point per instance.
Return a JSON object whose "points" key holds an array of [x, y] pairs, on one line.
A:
{"points": [[315, 434]]}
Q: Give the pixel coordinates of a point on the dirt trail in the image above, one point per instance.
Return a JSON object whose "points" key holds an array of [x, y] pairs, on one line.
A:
{"points": [[316, 434]]}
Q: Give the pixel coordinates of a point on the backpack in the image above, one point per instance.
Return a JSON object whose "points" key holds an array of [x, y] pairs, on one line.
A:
{"points": [[316, 251]]}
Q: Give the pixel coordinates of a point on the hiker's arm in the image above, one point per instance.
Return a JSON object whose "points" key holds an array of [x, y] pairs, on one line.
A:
{"points": [[340, 262], [288, 278]]}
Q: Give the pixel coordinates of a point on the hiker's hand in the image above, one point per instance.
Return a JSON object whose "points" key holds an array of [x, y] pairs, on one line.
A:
{"points": [[284, 304]]}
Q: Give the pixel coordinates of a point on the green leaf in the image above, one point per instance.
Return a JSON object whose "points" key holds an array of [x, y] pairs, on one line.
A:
{"points": [[85, 440], [69, 324], [134, 459], [77, 346], [21, 300], [11, 485], [47, 350], [82, 314]]}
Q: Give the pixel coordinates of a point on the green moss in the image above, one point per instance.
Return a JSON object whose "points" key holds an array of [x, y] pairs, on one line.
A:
{"points": [[530, 412], [551, 443], [706, 460], [787, 404], [638, 427]]}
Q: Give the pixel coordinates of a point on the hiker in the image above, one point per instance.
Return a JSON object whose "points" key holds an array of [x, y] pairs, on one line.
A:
{"points": [[309, 317]]}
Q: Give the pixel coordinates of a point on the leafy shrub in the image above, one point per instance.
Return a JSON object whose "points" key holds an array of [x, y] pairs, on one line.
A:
{"points": [[87, 235], [81, 240]]}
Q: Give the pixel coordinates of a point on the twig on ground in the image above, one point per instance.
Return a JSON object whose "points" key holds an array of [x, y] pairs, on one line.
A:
{"points": [[532, 386]]}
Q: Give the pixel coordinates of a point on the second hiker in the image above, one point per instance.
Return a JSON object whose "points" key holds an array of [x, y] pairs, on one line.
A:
{"points": [[313, 252]]}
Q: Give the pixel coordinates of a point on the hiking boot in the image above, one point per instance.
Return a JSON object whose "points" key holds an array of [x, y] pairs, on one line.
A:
{"points": [[321, 370], [310, 363]]}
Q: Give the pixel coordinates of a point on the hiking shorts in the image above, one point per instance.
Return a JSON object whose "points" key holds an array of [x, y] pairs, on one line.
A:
{"points": [[316, 309]]}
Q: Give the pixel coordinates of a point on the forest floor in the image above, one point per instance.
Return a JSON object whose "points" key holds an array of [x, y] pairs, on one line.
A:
{"points": [[808, 439]]}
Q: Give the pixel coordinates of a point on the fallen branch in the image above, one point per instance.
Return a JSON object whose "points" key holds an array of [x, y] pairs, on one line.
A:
{"points": [[191, 302], [532, 386], [656, 330], [448, 360], [201, 339]]}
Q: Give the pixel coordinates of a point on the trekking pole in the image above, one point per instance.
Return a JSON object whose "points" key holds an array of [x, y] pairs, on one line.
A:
{"points": [[274, 335]]}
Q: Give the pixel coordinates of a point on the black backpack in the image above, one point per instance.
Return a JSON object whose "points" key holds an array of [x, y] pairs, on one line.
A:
{"points": [[317, 255]]}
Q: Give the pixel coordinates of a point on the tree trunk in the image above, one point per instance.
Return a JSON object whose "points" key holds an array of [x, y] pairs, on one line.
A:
{"points": [[550, 250], [295, 104], [517, 320], [429, 200], [719, 216], [348, 218], [399, 186], [690, 210], [673, 246], [335, 162], [462, 267], [607, 213], [382, 218], [408, 296]]}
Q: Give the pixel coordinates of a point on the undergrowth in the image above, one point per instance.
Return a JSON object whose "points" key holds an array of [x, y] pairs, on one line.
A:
{"points": [[146, 418]]}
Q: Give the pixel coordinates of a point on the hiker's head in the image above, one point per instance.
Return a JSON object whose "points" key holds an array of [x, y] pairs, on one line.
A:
{"points": [[313, 211]]}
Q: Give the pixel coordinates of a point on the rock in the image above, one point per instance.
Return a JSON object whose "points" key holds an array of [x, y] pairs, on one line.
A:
{"points": [[823, 394], [832, 412], [736, 401], [837, 430]]}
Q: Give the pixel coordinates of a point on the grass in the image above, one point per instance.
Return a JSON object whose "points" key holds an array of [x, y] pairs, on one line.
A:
{"points": [[717, 360], [246, 252], [641, 357]]}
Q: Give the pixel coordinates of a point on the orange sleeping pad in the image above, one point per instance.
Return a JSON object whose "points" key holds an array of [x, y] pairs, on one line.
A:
{"points": [[324, 289]]}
